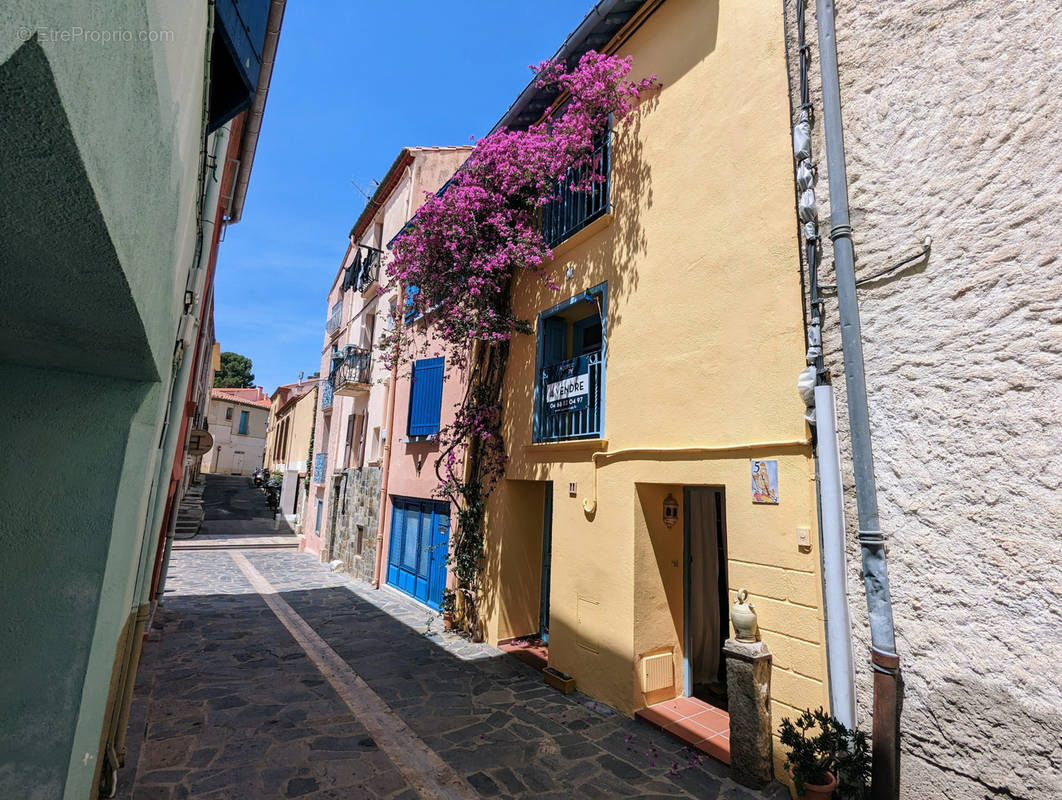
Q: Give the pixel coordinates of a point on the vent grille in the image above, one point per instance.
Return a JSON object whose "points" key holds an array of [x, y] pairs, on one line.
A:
{"points": [[658, 672]]}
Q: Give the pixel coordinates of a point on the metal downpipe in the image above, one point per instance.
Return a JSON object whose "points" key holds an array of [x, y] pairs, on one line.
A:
{"points": [[885, 784]]}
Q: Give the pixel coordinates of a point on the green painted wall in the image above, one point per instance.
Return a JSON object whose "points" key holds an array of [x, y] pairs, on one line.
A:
{"points": [[100, 150], [55, 533]]}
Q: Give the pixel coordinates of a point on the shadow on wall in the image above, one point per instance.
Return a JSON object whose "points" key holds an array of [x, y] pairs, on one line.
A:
{"points": [[612, 255], [67, 303], [517, 564]]}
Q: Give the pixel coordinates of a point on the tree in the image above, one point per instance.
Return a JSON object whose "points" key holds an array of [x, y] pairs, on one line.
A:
{"points": [[235, 372]]}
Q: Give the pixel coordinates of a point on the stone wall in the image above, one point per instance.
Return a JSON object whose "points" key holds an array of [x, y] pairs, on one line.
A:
{"points": [[952, 128], [354, 537]]}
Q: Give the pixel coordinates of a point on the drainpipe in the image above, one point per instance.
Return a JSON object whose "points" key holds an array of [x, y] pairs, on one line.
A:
{"points": [[885, 784], [834, 560]]}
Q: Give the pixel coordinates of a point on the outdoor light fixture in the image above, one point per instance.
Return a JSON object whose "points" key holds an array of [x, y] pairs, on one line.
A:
{"points": [[671, 509]]}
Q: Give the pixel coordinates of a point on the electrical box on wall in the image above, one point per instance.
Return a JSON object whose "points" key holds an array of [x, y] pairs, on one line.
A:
{"points": [[804, 538]]}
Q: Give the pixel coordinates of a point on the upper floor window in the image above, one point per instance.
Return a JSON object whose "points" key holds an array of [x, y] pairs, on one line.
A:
{"points": [[425, 397], [335, 317], [575, 208], [570, 379], [228, 413], [243, 422]]}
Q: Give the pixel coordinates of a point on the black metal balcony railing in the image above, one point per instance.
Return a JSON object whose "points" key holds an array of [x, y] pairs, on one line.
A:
{"points": [[574, 209], [353, 370], [582, 423]]}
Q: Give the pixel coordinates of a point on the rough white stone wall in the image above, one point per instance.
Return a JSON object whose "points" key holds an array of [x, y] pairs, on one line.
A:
{"points": [[953, 129]]}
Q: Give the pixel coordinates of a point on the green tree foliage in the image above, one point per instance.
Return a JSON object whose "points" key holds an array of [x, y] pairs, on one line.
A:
{"points": [[235, 372]]}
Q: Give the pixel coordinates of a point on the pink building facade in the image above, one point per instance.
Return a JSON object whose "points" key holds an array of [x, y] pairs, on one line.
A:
{"points": [[351, 436]]}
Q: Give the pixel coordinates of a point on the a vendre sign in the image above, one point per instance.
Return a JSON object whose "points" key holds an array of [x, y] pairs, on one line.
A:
{"points": [[567, 385]]}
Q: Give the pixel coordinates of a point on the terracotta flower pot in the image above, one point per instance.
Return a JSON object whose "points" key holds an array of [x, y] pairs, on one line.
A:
{"points": [[448, 620], [819, 791]]}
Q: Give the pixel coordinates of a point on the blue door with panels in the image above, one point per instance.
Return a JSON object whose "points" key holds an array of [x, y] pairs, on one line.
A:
{"points": [[420, 541]]}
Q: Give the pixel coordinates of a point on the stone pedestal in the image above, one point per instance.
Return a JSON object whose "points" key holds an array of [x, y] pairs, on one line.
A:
{"points": [[748, 687]]}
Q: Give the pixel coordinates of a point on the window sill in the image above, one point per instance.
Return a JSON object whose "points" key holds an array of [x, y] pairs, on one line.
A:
{"points": [[583, 234], [543, 451]]}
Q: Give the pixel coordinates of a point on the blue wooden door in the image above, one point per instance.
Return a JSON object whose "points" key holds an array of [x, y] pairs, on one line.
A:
{"points": [[420, 538]]}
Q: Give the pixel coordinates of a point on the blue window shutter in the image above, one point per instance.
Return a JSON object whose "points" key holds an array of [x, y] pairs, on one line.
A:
{"points": [[425, 397], [555, 343], [411, 311], [243, 422]]}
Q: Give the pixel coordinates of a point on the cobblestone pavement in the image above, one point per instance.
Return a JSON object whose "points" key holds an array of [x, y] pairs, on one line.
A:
{"points": [[230, 705]]}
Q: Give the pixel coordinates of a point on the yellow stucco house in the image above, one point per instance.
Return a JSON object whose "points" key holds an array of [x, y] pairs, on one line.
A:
{"points": [[292, 411], [659, 456]]}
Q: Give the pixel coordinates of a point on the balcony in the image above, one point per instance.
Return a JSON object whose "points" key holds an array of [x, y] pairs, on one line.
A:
{"points": [[352, 374], [569, 400], [573, 209]]}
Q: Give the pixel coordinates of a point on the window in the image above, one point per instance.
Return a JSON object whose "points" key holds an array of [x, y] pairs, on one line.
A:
{"points": [[243, 423], [335, 317], [570, 379], [425, 397], [228, 413], [375, 452], [353, 443]]}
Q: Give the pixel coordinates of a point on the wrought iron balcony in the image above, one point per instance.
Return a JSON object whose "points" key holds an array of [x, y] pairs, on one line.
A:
{"points": [[351, 375], [574, 209], [570, 417]]}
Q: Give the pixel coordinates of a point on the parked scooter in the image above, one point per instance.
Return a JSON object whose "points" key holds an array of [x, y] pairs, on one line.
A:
{"points": [[260, 476], [272, 489]]}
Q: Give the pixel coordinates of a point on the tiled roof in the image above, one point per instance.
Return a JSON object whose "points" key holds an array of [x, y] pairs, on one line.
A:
{"points": [[251, 397]]}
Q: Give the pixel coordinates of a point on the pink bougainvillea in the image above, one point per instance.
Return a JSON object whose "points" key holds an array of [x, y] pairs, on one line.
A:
{"points": [[465, 243]]}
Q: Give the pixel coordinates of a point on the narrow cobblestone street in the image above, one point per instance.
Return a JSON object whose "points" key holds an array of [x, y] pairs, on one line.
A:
{"points": [[268, 676]]}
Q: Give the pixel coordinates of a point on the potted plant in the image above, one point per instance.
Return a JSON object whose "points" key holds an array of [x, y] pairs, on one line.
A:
{"points": [[824, 757], [449, 603]]}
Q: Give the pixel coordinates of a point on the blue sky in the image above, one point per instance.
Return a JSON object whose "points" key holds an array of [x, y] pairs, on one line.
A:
{"points": [[353, 83]]}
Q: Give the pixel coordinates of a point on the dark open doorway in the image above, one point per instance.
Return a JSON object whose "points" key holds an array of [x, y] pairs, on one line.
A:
{"points": [[547, 556], [705, 609]]}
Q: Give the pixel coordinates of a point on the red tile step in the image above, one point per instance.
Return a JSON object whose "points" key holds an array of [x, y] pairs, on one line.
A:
{"points": [[530, 649], [695, 722]]}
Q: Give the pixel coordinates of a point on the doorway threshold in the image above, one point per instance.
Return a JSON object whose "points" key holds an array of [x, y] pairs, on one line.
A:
{"points": [[530, 649], [695, 722]]}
